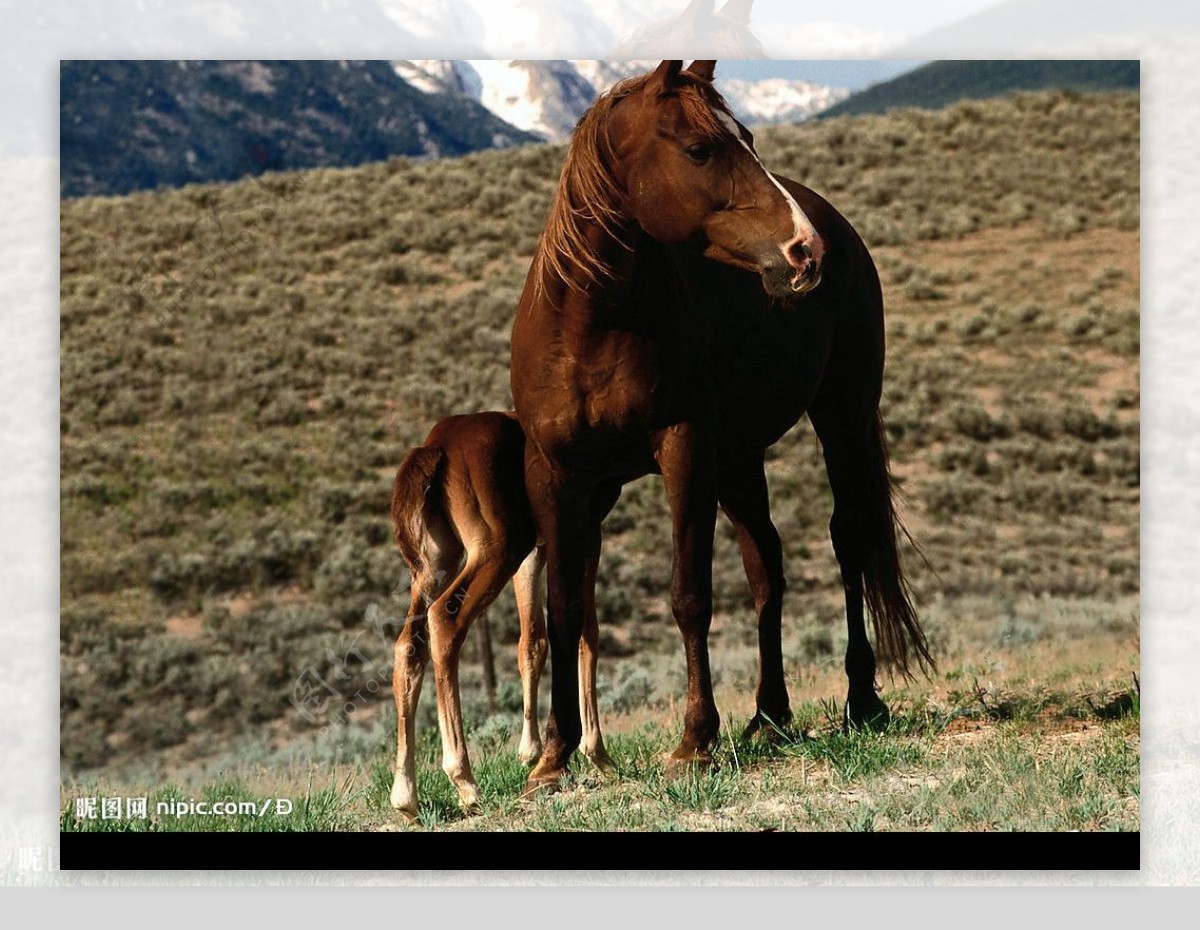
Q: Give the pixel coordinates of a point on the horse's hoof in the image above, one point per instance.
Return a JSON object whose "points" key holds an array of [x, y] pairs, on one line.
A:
{"points": [[866, 713], [688, 762], [529, 754], [768, 728], [540, 784]]}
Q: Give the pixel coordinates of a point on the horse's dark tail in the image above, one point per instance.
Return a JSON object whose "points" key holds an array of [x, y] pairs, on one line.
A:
{"points": [[416, 487], [898, 633]]}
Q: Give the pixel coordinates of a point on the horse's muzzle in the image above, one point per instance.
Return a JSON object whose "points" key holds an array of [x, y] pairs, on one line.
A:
{"points": [[782, 279], [805, 279]]}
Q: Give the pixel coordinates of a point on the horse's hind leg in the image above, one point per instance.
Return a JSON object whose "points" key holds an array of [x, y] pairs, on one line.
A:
{"points": [[848, 452], [450, 619], [529, 586], [742, 492]]}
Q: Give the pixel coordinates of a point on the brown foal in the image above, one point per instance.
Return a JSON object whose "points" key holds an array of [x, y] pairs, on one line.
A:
{"points": [[462, 523]]}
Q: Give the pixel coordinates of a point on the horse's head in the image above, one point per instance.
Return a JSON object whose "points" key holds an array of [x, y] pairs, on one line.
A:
{"points": [[689, 173]]}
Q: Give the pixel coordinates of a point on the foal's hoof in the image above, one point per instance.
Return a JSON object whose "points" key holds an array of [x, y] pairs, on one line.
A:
{"points": [[404, 801], [407, 810], [529, 754], [603, 761], [468, 799], [866, 713], [409, 814]]}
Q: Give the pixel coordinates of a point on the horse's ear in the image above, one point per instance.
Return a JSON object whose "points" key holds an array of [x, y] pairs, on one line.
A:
{"points": [[703, 69], [667, 74], [738, 11]]}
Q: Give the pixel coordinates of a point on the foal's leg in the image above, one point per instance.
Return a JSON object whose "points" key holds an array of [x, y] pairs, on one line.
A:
{"points": [[450, 619], [411, 656], [531, 657], [744, 498], [846, 445], [528, 584], [483, 638], [687, 459], [589, 646], [593, 741]]}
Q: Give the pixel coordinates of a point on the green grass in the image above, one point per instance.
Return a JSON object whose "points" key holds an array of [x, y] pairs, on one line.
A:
{"points": [[924, 773]]}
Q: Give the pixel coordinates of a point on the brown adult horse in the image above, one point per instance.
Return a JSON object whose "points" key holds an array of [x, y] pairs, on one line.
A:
{"points": [[685, 308]]}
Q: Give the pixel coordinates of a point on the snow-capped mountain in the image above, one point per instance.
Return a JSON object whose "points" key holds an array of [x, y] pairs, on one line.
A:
{"points": [[548, 97], [775, 100], [434, 76], [604, 74]]}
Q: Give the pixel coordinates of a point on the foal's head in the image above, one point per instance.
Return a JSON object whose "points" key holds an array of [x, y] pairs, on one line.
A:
{"points": [[685, 170]]}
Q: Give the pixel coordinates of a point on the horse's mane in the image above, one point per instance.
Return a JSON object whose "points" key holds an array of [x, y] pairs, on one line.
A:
{"points": [[588, 193]]}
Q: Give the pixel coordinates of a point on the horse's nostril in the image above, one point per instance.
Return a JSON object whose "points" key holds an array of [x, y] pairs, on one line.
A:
{"points": [[799, 255]]}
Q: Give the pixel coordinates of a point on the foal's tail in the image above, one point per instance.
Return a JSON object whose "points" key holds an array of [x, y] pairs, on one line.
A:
{"points": [[417, 488], [898, 631]]}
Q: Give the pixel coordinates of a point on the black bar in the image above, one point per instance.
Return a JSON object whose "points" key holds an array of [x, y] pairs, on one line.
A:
{"points": [[857, 851]]}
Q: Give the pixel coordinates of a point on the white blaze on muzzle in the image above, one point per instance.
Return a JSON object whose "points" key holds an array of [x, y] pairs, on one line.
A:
{"points": [[802, 227]]}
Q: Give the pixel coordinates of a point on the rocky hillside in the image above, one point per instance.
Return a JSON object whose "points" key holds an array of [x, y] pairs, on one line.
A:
{"points": [[134, 125]]}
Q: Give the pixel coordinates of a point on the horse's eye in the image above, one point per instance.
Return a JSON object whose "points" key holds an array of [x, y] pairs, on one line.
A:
{"points": [[700, 153]]}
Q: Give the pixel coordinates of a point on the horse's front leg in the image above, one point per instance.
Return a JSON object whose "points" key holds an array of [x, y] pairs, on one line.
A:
{"points": [[562, 515], [744, 498], [687, 458]]}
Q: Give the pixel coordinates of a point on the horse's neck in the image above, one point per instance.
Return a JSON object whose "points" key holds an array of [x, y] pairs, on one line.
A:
{"points": [[643, 280]]}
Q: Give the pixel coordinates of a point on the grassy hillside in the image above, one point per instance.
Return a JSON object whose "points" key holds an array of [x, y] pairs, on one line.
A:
{"points": [[244, 365], [941, 83]]}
